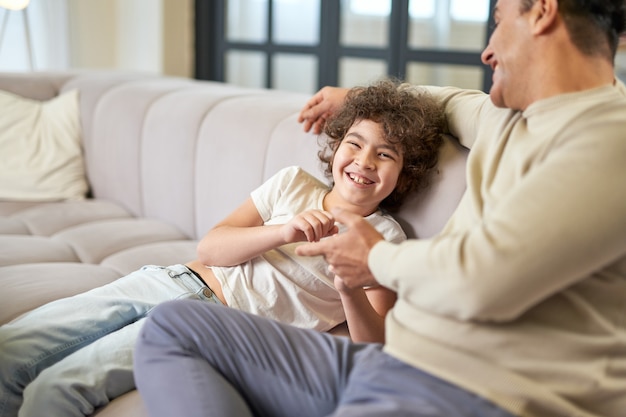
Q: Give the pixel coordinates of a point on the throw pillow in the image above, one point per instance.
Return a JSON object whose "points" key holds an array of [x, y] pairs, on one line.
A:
{"points": [[40, 148]]}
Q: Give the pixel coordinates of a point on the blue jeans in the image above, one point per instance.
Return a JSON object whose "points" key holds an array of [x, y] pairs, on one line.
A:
{"points": [[70, 356], [198, 360]]}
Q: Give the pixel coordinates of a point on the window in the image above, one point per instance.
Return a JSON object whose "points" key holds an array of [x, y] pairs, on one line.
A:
{"points": [[469, 10], [302, 45]]}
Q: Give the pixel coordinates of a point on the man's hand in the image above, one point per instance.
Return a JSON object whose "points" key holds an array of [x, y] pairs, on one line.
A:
{"points": [[347, 252], [320, 107], [309, 226]]}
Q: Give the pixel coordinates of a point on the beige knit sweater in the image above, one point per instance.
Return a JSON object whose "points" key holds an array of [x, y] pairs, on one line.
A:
{"points": [[522, 297]]}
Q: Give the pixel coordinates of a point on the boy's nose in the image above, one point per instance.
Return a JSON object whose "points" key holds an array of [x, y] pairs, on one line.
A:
{"points": [[365, 160]]}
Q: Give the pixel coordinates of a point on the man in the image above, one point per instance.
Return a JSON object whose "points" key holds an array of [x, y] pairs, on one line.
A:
{"points": [[517, 308]]}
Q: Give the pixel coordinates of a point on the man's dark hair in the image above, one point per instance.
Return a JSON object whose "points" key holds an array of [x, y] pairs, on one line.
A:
{"points": [[593, 25]]}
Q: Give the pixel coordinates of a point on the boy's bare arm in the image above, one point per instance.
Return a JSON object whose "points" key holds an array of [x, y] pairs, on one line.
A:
{"points": [[242, 235], [365, 311]]}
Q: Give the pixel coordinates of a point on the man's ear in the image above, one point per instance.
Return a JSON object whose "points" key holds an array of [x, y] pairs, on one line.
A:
{"points": [[543, 16]]}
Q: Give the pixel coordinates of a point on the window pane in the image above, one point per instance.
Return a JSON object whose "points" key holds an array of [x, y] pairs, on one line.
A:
{"points": [[358, 71], [444, 75], [295, 73], [470, 10], [296, 21], [422, 9], [246, 68], [370, 7], [246, 20], [454, 24], [365, 22]]}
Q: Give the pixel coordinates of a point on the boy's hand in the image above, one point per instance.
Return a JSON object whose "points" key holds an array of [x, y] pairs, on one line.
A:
{"points": [[309, 226], [347, 253]]}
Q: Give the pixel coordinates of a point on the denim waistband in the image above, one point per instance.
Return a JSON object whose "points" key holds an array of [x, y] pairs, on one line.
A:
{"points": [[192, 281]]}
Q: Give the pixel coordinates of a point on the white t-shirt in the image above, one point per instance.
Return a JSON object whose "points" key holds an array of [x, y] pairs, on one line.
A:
{"points": [[280, 284]]}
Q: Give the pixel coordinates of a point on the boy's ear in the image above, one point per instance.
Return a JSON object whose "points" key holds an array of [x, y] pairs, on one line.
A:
{"points": [[543, 16]]}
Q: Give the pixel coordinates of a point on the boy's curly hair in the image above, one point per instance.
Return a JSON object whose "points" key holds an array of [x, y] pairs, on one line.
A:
{"points": [[412, 120]]}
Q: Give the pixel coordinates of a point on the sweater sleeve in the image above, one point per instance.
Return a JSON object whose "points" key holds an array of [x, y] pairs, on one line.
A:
{"points": [[562, 222], [463, 110]]}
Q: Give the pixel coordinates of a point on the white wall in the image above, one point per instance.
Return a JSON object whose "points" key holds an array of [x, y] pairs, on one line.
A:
{"points": [[138, 35], [142, 35]]}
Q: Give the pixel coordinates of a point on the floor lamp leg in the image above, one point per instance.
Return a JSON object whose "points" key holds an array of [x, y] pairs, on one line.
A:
{"points": [[5, 20], [28, 39]]}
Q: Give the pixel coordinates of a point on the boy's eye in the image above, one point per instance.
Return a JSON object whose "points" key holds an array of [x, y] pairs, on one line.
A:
{"points": [[385, 155]]}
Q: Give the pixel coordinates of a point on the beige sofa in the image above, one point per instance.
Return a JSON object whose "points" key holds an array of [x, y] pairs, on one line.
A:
{"points": [[165, 159]]}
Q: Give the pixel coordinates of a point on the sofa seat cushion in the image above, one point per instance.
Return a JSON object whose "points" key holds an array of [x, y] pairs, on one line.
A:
{"points": [[95, 241], [21, 249], [10, 226], [8, 208], [50, 218], [159, 253], [28, 286]]}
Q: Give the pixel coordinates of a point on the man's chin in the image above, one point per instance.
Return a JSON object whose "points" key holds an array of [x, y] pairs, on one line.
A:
{"points": [[496, 98]]}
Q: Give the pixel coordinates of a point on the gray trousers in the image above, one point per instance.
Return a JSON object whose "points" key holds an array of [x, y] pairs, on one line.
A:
{"points": [[198, 359]]}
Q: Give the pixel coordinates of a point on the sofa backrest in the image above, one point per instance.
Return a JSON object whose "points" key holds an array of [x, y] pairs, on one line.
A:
{"points": [[189, 151]]}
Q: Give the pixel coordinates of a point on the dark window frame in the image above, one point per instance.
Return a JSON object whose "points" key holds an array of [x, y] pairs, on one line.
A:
{"points": [[211, 44]]}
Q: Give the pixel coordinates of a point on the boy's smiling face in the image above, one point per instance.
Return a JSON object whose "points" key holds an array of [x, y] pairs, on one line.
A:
{"points": [[365, 169]]}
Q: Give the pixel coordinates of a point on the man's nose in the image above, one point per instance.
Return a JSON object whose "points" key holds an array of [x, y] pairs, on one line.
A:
{"points": [[487, 55]]}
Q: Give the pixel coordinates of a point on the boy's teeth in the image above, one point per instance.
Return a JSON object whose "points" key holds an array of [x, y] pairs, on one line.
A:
{"points": [[358, 179]]}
